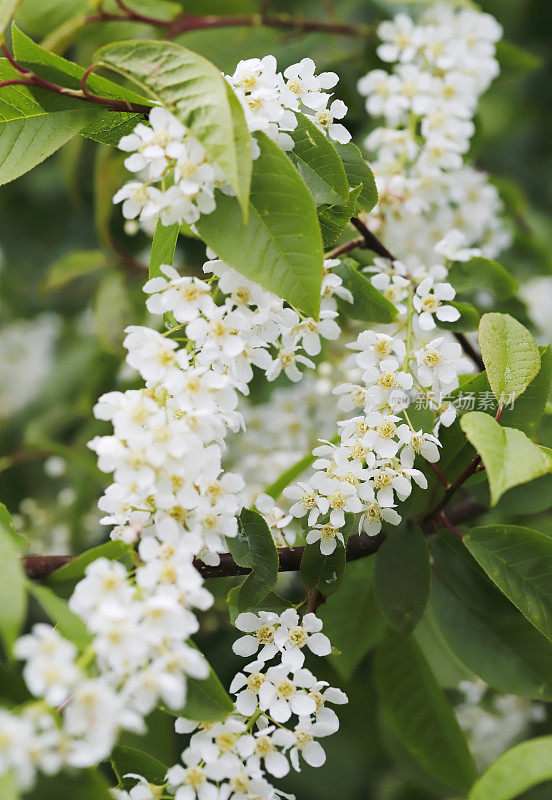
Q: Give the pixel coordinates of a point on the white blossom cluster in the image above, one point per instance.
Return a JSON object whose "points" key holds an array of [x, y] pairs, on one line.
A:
{"points": [[281, 710], [442, 62], [429, 214], [175, 178], [270, 98], [171, 499]]}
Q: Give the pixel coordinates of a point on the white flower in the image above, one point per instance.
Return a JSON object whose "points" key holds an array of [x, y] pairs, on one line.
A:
{"points": [[328, 535], [260, 629], [439, 363], [193, 779], [324, 119], [419, 442], [305, 87], [305, 744], [401, 38], [282, 695], [292, 636], [306, 500], [427, 301]]}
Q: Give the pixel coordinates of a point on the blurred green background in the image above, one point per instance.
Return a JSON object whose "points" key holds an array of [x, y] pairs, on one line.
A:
{"points": [[65, 206]]}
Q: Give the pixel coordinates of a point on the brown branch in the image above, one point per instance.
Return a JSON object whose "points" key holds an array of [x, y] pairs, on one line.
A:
{"points": [[191, 22], [358, 546], [347, 247], [29, 78], [371, 240]]}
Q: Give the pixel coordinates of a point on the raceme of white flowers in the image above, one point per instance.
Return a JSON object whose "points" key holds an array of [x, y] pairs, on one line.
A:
{"points": [[442, 63], [432, 209], [171, 501], [177, 180]]}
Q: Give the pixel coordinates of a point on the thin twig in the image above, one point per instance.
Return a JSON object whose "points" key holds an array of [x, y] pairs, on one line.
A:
{"points": [[346, 248], [191, 22], [31, 79]]}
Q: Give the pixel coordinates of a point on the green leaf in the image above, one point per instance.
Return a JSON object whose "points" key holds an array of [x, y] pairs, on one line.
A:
{"points": [[72, 266], [510, 354], [264, 559], [369, 304], [510, 457], [34, 124], [519, 561], [206, 700], [515, 771], [163, 247], [325, 572], [69, 624], [75, 569], [280, 246], [318, 163], [358, 173], [402, 578], [489, 636], [194, 90], [13, 594], [131, 760], [8, 784], [334, 220], [420, 714], [352, 619], [482, 273]]}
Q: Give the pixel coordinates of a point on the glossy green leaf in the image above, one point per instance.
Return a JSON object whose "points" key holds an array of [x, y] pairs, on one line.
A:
{"points": [[369, 304], [75, 569], [482, 273], [284, 246], [334, 220], [197, 94], [318, 163], [359, 173], [510, 354], [402, 578], [519, 561], [352, 619], [502, 648], [420, 715], [515, 771], [69, 624], [13, 593], [131, 760], [264, 560], [509, 456]]}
